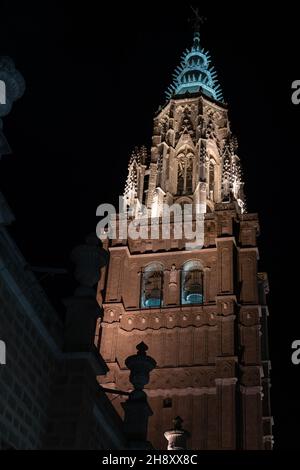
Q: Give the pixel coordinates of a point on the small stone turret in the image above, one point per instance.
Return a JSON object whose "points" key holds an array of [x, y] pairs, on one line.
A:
{"points": [[177, 436]]}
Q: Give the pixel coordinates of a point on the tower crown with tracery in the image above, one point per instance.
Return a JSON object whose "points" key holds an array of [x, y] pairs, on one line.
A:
{"points": [[193, 158]]}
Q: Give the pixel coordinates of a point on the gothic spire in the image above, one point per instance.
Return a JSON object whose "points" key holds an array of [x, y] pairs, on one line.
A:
{"points": [[137, 160], [195, 73], [232, 184]]}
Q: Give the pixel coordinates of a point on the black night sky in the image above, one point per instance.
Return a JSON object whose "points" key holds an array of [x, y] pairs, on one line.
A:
{"points": [[95, 75]]}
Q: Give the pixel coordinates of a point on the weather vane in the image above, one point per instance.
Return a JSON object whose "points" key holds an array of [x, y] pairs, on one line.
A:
{"points": [[198, 20]]}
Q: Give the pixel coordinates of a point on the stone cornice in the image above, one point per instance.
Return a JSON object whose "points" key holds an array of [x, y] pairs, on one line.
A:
{"points": [[167, 317], [227, 381], [181, 392], [251, 390]]}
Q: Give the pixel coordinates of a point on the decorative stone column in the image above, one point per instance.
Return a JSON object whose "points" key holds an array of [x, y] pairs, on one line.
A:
{"points": [[177, 436], [172, 291], [136, 408]]}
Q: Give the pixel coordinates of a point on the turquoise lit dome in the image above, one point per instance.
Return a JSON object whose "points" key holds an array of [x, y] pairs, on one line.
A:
{"points": [[195, 74]]}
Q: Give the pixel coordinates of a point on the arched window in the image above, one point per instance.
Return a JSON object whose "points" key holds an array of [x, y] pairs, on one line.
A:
{"points": [[192, 283], [185, 174], [152, 286], [180, 180], [211, 179], [189, 178]]}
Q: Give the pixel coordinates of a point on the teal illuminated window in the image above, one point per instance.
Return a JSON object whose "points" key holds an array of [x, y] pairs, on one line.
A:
{"points": [[192, 283], [152, 286]]}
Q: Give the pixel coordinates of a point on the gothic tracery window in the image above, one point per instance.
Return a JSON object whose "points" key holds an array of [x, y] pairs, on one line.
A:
{"points": [[189, 178], [211, 179], [180, 179], [185, 175], [192, 283], [152, 286]]}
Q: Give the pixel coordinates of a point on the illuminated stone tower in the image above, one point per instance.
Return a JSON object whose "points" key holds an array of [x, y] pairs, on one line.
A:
{"points": [[202, 311]]}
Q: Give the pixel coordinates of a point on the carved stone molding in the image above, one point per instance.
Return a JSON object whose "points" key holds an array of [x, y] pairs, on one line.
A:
{"points": [[165, 379], [251, 390], [113, 312], [251, 376], [227, 381], [181, 392], [168, 318], [226, 305], [249, 316], [226, 368]]}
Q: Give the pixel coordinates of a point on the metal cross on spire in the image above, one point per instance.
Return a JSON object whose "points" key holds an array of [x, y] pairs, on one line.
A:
{"points": [[198, 20]]}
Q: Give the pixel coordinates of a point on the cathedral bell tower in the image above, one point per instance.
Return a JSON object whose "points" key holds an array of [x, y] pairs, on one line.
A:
{"points": [[202, 312]]}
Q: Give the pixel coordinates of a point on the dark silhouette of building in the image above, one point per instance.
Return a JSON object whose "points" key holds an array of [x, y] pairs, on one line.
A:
{"points": [[49, 395]]}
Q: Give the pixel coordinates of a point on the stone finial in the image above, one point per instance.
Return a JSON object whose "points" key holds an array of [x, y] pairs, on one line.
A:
{"points": [[83, 310], [88, 260], [140, 366], [142, 348], [14, 84], [136, 407], [177, 423], [177, 436]]}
